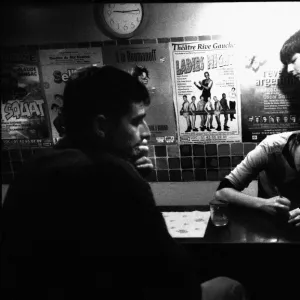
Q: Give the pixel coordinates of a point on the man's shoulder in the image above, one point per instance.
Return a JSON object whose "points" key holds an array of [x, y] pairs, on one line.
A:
{"points": [[276, 142]]}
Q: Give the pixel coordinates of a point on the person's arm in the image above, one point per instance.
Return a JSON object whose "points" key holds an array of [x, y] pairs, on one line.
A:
{"points": [[230, 188], [208, 87], [200, 87]]}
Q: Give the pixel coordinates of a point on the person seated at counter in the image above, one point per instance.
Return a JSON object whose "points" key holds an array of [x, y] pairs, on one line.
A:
{"points": [[81, 220], [276, 164]]}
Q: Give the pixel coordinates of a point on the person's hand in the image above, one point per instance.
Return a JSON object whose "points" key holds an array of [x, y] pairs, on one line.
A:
{"points": [[277, 205], [143, 163], [295, 217]]}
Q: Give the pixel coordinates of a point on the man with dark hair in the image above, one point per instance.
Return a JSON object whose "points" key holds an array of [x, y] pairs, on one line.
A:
{"points": [[80, 221], [290, 54], [276, 162], [141, 73]]}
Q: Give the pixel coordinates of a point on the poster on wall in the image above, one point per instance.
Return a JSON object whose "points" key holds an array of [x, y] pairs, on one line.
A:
{"points": [[270, 96], [206, 91], [24, 115], [151, 64], [57, 66]]}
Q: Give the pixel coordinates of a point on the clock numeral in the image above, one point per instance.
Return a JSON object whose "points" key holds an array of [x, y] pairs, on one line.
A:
{"points": [[132, 25], [125, 27], [109, 12], [112, 22]]}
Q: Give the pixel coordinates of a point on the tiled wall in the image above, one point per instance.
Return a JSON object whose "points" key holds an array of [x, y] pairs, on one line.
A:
{"points": [[172, 162]]}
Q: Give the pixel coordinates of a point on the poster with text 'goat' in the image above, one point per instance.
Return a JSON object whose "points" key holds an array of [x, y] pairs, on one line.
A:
{"points": [[57, 67], [206, 92]]}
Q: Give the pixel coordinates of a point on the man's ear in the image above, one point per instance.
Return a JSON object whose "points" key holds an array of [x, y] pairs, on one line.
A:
{"points": [[100, 125]]}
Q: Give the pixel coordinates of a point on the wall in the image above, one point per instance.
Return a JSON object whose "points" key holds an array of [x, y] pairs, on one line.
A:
{"points": [[50, 25]]}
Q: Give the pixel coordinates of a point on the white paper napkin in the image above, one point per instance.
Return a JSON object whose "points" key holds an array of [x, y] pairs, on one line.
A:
{"points": [[187, 224]]}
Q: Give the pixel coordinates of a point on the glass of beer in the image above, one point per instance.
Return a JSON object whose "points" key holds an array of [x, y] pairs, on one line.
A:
{"points": [[218, 212]]}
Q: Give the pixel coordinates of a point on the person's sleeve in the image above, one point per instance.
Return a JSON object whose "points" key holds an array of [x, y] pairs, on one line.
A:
{"points": [[249, 168]]}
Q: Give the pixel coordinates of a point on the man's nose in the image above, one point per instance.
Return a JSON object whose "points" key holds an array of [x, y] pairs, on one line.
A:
{"points": [[146, 134], [290, 68]]}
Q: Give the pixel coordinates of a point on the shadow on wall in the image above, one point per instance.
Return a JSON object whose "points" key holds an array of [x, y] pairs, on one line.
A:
{"points": [[190, 193]]}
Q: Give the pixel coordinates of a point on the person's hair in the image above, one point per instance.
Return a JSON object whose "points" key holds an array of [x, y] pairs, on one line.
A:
{"points": [[233, 88], [184, 96], [290, 47], [206, 73], [193, 97], [100, 90], [139, 70]]}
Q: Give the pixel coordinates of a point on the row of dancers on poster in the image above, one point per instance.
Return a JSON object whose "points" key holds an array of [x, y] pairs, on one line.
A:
{"points": [[206, 120]]}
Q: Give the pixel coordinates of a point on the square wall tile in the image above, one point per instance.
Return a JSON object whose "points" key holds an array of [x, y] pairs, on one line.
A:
{"points": [[5, 156], [186, 150], [161, 163], [224, 162], [162, 175], [160, 151], [175, 175], [200, 174], [186, 163], [15, 155], [212, 162], [237, 149], [198, 150], [235, 160], [188, 175], [26, 154], [174, 163], [199, 162], [213, 174], [211, 149], [248, 147], [223, 173], [173, 151], [223, 149], [152, 177]]}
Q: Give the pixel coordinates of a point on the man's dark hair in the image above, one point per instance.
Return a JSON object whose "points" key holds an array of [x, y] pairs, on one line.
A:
{"points": [[290, 47], [139, 70], [100, 90]]}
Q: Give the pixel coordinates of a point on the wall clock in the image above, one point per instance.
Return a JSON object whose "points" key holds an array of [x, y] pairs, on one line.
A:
{"points": [[120, 20]]}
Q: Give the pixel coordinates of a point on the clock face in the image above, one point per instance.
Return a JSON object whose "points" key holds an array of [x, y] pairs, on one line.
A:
{"points": [[123, 18]]}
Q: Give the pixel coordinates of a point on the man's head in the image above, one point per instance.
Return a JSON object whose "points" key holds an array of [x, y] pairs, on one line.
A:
{"points": [[108, 115], [250, 119], [278, 119], [224, 96], [215, 98], [184, 98], [206, 75], [55, 107], [233, 89], [208, 99], [201, 98], [193, 98], [257, 119], [265, 119], [290, 54], [271, 119], [285, 119], [141, 73], [294, 146]]}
